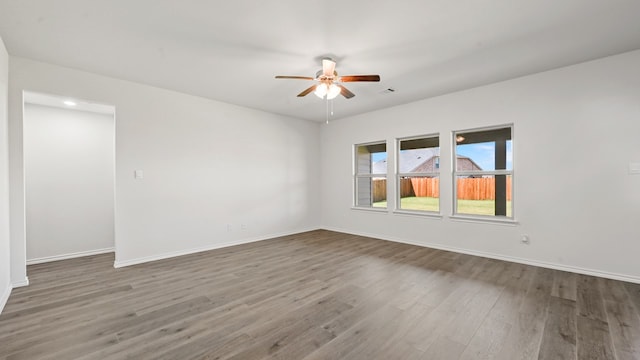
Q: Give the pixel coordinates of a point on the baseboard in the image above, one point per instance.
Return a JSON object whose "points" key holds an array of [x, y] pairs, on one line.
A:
{"points": [[568, 268], [5, 296], [21, 283], [69, 256], [119, 264]]}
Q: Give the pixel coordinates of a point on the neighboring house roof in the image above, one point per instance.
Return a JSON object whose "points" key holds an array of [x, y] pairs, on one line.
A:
{"points": [[412, 159]]}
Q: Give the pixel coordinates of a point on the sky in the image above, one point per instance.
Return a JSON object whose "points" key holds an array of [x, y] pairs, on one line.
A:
{"points": [[482, 154], [375, 157]]}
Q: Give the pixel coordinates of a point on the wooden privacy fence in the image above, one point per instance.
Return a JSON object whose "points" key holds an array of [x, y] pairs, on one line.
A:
{"points": [[421, 187], [379, 189], [468, 188], [480, 188]]}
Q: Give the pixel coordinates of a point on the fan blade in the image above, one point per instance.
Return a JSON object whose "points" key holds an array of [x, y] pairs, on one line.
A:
{"points": [[307, 91], [328, 67], [353, 78], [345, 92], [294, 77]]}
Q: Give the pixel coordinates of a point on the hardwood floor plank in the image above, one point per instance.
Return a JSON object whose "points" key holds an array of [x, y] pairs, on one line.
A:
{"points": [[564, 285], [634, 294], [589, 298], [205, 349], [34, 310], [487, 342], [281, 333], [624, 328], [594, 340], [559, 338], [63, 349], [353, 338], [527, 322], [444, 349], [388, 332], [624, 324]]}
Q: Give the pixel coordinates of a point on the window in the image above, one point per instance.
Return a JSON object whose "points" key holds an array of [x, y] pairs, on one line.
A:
{"points": [[483, 172], [370, 175], [418, 175]]}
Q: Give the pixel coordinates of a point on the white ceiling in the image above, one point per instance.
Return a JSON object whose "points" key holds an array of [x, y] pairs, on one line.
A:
{"points": [[231, 50]]}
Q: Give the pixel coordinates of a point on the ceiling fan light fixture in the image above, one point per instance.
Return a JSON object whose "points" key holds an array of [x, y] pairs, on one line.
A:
{"points": [[329, 84], [334, 90], [321, 90]]}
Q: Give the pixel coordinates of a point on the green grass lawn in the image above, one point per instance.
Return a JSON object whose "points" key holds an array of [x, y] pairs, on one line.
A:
{"points": [[415, 203], [480, 207], [470, 207]]}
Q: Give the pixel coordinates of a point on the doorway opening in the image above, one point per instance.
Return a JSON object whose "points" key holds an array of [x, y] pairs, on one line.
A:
{"points": [[69, 162]]}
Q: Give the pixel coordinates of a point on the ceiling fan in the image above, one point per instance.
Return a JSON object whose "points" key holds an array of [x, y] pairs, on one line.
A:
{"points": [[329, 83]]}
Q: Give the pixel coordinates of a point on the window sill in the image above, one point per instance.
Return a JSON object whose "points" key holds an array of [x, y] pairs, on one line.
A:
{"points": [[371, 209], [484, 220], [432, 215]]}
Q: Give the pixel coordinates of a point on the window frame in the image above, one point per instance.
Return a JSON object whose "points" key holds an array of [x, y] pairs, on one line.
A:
{"points": [[455, 174], [370, 175], [399, 175]]}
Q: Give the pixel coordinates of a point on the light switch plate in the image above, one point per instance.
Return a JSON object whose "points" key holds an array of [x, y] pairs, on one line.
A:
{"points": [[138, 174], [634, 168]]}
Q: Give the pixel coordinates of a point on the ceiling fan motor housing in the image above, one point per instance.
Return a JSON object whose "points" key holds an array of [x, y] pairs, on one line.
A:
{"points": [[320, 75]]}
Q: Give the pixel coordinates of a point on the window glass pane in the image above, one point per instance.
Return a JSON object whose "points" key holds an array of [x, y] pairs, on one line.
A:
{"points": [[379, 160], [371, 159], [420, 193], [363, 191], [481, 156], [477, 195], [419, 156], [484, 150], [379, 192], [371, 191]]}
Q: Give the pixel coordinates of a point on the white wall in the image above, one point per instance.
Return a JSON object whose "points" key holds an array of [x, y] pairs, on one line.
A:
{"points": [[69, 169], [5, 260], [206, 164], [575, 133]]}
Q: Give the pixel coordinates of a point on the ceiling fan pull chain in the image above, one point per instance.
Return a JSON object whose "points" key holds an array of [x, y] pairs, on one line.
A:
{"points": [[327, 112]]}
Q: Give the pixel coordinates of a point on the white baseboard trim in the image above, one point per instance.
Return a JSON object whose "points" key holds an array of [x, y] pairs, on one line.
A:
{"points": [[69, 256], [543, 264], [21, 283], [5, 296], [124, 263]]}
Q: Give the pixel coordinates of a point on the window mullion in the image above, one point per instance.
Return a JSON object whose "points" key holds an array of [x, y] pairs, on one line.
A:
{"points": [[483, 172]]}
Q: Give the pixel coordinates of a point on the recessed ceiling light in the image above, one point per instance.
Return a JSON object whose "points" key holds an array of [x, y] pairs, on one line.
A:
{"points": [[69, 103]]}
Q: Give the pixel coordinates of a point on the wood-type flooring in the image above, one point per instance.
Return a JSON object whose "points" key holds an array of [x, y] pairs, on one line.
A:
{"points": [[318, 295]]}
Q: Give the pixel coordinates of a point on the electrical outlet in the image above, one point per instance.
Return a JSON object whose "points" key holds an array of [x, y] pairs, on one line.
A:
{"points": [[525, 239], [243, 227], [229, 227]]}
